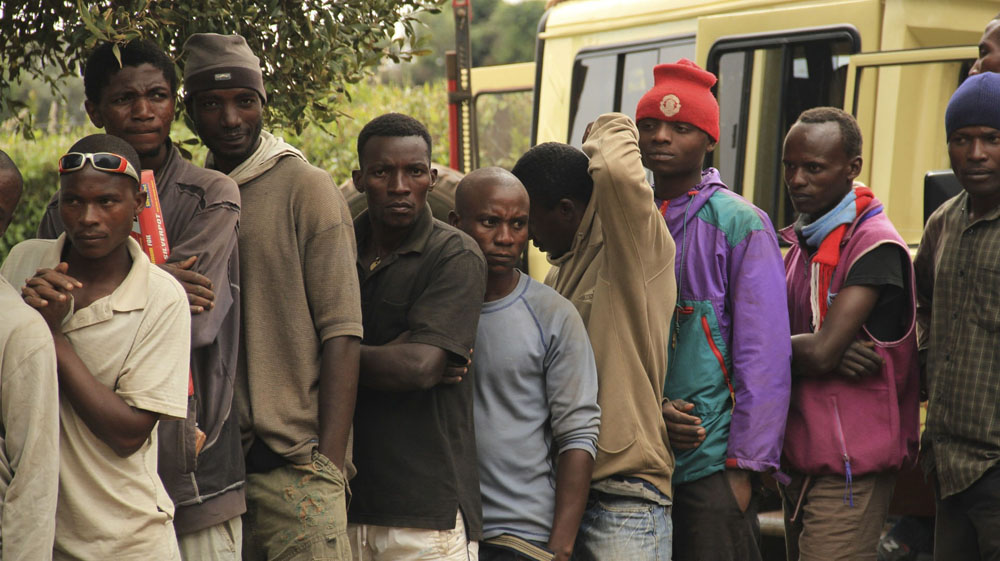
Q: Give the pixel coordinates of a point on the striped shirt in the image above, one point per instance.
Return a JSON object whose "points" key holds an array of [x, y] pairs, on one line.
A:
{"points": [[958, 319]]}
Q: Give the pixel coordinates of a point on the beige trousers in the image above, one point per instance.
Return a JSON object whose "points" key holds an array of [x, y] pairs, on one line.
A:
{"points": [[825, 527], [222, 542], [388, 543]]}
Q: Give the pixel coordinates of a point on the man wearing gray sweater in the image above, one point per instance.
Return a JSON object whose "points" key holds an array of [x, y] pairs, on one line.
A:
{"points": [[536, 411]]}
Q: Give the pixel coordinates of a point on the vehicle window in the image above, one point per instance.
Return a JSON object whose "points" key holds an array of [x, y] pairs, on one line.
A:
{"points": [[637, 78], [504, 123], [593, 92], [614, 79], [764, 85], [733, 93]]}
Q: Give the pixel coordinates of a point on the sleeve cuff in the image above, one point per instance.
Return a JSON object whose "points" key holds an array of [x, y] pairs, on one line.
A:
{"points": [[442, 342], [587, 445], [750, 465]]}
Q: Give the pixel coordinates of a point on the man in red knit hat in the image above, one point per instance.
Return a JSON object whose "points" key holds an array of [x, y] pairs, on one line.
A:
{"points": [[728, 378]]}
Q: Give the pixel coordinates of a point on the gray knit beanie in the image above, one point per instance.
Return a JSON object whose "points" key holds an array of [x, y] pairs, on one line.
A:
{"points": [[221, 61], [975, 103]]}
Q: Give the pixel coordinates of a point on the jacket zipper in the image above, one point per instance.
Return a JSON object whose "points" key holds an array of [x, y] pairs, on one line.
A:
{"points": [[719, 357], [848, 478]]}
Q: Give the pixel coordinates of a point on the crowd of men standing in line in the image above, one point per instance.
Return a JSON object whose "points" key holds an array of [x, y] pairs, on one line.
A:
{"points": [[393, 387]]}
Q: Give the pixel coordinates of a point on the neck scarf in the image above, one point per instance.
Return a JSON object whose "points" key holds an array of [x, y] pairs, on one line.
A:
{"points": [[826, 233], [264, 158]]}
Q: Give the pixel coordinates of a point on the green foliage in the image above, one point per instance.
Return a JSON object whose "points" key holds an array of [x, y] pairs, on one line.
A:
{"points": [[508, 35], [333, 150], [500, 32], [311, 50], [38, 162], [50, 111], [504, 123]]}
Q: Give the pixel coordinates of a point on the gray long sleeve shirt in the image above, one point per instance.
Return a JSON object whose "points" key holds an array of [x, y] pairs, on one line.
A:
{"points": [[535, 397]]}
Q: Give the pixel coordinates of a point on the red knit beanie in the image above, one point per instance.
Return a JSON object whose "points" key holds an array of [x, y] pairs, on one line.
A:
{"points": [[682, 92]]}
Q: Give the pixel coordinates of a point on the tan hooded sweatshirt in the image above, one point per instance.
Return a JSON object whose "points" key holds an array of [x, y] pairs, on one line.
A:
{"points": [[619, 273]]}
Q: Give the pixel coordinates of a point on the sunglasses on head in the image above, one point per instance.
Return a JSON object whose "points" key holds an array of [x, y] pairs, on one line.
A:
{"points": [[104, 161]]}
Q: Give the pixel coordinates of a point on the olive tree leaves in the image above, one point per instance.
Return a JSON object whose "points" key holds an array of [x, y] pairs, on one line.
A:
{"points": [[310, 50]]}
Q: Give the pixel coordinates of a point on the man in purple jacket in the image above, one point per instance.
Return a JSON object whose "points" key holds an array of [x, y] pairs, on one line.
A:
{"points": [[726, 394]]}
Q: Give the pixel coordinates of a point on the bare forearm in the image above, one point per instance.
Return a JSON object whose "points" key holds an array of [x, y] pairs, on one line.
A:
{"points": [[398, 367], [572, 486], [817, 354], [117, 424], [811, 357], [338, 390]]}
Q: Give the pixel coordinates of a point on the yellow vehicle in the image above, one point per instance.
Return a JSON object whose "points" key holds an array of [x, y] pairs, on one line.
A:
{"points": [[892, 63]]}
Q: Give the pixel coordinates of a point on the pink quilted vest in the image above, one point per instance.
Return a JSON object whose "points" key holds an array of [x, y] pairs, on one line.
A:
{"points": [[841, 426]]}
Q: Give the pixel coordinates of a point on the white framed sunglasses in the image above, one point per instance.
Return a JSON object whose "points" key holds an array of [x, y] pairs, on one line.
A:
{"points": [[104, 161]]}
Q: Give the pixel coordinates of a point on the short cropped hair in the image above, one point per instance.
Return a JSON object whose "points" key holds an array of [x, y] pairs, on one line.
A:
{"points": [[850, 132], [553, 171], [101, 65], [393, 124]]}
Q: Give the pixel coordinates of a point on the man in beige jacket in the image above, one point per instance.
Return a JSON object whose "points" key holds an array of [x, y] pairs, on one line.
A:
{"points": [[593, 213]]}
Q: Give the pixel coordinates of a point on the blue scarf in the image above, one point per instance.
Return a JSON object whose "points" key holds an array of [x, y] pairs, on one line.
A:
{"points": [[844, 213]]}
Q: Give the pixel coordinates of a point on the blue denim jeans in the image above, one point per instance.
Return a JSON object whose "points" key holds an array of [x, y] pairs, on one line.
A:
{"points": [[615, 527]]}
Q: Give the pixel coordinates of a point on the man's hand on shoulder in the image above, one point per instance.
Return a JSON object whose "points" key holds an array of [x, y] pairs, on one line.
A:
{"points": [[198, 287], [685, 431]]}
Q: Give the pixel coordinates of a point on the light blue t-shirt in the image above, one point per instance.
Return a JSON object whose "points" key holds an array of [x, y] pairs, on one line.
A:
{"points": [[535, 397]]}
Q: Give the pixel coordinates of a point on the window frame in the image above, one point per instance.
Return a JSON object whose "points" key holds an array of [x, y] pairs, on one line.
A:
{"points": [[619, 50], [747, 44], [493, 92]]}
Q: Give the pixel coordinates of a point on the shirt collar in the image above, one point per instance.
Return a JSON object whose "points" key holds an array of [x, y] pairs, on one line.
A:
{"points": [[963, 209], [416, 242], [131, 293]]}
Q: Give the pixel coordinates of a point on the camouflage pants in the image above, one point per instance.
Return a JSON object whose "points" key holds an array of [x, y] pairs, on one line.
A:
{"points": [[297, 513]]}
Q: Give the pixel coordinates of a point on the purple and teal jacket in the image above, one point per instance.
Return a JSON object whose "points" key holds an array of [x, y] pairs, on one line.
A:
{"points": [[732, 349]]}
